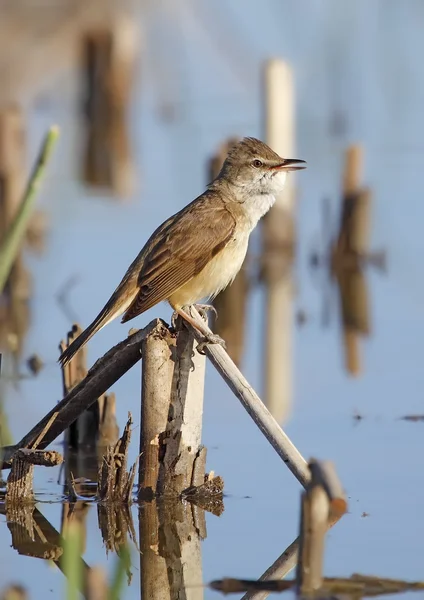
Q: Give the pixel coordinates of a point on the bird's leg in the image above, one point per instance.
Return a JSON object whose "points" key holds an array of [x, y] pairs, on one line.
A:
{"points": [[202, 309], [208, 337]]}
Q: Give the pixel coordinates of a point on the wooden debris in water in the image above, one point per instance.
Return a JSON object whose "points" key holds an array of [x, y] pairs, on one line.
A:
{"points": [[98, 422], [207, 496], [100, 377], [412, 418], [357, 586], [115, 483], [20, 480]]}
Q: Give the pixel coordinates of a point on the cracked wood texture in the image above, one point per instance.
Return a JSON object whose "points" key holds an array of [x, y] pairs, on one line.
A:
{"points": [[171, 414]]}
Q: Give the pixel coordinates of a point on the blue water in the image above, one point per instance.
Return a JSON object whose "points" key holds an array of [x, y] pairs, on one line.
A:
{"points": [[361, 60]]}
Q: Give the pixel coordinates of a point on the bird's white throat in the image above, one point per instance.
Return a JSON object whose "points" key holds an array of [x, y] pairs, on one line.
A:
{"points": [[257, 206]]}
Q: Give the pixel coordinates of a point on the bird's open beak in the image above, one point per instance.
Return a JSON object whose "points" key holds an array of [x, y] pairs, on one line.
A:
{"points": [[291, 164]]}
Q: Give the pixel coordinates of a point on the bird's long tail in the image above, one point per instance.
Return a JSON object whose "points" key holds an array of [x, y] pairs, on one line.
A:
{"points": [[118, 303]]}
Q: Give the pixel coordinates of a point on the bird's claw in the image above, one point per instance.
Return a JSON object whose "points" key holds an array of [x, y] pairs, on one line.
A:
{"points": [[174, 319], [203, 309], [212, 338]]}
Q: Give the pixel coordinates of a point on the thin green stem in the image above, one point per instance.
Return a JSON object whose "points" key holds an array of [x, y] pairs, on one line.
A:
{"points": [[9, 248]]}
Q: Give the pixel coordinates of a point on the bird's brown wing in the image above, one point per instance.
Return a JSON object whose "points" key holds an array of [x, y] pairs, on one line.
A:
{"points": [[181, 250]]}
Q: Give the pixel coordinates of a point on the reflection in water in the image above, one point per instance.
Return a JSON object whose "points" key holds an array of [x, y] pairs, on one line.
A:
{"points": [[346, 255]]}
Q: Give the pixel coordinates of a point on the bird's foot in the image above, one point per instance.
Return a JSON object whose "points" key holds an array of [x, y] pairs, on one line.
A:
{"points": [[211, 338], [174, 320], [203, 309]]}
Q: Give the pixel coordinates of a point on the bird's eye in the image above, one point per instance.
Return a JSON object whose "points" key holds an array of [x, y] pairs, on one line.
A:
{"points": [[257, 163]]}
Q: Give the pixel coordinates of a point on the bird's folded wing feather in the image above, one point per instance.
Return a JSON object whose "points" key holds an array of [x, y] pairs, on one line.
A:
{"points": [[183, 248]]}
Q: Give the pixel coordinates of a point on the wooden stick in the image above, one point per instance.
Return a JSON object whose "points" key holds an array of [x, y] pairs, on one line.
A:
{"points": [[253, 404], [100, 377], [13, 239]]}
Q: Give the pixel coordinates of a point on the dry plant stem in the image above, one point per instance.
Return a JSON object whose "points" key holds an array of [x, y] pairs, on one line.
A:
{"points": [[100, 377], [115, 483], [13, 239], [253, 404]]}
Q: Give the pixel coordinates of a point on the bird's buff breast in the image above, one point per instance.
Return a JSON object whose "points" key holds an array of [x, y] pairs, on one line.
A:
{"points": [[217, 274]]}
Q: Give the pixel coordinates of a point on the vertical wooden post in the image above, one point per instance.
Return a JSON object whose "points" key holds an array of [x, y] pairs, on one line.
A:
{"points": [[349, 253], [322, 502], [171, 460], [231, 303], [108, 64], [172, 408], [278, 242], [14, 316]]}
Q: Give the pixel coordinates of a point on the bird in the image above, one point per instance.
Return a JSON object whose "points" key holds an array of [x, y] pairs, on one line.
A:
{"points": [[198, 251]]}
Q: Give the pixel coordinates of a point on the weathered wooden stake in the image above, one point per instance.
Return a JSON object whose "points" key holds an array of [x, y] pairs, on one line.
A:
{"points": [[171, 415], [323, 498], [19, 488], [278, 243], [230, 303], [108, 63]]}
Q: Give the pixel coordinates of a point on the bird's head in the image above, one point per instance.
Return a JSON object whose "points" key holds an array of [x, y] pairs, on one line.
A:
{"points": [[252, 165]]}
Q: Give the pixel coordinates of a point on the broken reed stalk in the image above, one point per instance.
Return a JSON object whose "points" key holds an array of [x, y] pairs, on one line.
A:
{"points": [[13, 238], [253, 404], [104, 373], [115, 483], [278, 243], [172, 409]]}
